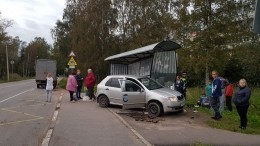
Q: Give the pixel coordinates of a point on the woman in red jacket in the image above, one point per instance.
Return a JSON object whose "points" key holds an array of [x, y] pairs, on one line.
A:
{"points": [[229, 94], [90, 82]]}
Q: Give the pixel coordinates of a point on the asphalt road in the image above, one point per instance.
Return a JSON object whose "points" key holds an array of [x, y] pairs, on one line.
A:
{"points": [[24, 114]]}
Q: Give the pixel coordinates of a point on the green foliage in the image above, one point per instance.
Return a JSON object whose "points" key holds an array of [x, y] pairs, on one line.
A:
{"points": [[62, 83], [230, 120]]}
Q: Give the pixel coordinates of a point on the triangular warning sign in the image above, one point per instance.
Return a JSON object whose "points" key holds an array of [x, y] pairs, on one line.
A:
{"points": [[72, 54], [72, 62]]}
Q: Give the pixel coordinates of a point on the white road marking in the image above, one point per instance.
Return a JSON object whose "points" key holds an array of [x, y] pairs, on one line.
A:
{"points": [[16, 95], [55, 115], [46, 140], [140, 137]]}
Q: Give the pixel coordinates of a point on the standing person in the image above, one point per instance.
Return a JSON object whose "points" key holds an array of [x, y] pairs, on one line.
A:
{"points": [[229, 94], [208, 89], [179, 85], [224, 83], [79, 82], [184, 80], [216, 93], [72, 85], [241, 100], [49, 87], [90, 82]]}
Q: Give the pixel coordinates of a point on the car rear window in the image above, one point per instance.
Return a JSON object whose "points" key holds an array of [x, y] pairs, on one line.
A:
{"points": [[113, 82]]}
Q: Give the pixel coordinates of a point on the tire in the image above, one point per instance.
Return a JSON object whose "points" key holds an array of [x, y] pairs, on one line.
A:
{"points": [[154, 109], [103, 101]]}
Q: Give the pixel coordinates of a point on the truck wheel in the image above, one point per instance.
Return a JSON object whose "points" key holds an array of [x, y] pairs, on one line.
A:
{"points": [[154, 109], [103, 101]]}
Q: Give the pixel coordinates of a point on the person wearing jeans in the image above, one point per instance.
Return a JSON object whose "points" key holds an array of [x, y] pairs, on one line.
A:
{"points": [[49, 87], [216, 93], [241, 100]]}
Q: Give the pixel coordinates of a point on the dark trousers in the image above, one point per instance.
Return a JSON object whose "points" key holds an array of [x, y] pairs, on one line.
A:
{"points": [[91, 93], [215, 106], [229, 103], [242, 112], [78, 91], [71, 95]]}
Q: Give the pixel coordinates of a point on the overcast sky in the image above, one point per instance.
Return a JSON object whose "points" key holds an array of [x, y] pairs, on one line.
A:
{"points": [[32, 18]]}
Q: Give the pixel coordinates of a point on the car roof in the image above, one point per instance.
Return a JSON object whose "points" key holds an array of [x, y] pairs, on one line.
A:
{"points": [[125, 76]]}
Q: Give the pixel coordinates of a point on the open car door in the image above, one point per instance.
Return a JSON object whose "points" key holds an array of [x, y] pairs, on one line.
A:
{"points": [[133, 95]]}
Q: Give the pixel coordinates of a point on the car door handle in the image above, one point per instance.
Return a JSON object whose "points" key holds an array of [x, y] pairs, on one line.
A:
{"points": [[106, 89]]}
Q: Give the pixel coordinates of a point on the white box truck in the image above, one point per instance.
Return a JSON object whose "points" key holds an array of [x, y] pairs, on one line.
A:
{"points": [[42, 68]]}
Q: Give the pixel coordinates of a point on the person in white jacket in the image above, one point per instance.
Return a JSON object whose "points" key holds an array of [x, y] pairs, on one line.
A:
{"points": [[49, 87]]}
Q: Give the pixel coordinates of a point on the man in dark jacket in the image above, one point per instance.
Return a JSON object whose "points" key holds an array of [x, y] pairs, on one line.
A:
{"points": [[179, 85], [216, 93], [90, 82], [80, 82], [241, 100]]}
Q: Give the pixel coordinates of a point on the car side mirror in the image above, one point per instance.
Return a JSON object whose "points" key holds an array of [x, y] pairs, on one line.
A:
{"points": [[142, 90]]}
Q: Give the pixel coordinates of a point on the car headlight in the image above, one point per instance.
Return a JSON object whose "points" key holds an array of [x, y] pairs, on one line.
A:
{"points": [[173, 99]]}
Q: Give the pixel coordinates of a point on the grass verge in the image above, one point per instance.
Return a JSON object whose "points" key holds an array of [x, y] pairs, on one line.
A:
{"points": [[230, 120]]}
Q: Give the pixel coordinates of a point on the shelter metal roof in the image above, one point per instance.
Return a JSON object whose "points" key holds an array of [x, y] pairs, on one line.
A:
{"points": [[142, 53]]}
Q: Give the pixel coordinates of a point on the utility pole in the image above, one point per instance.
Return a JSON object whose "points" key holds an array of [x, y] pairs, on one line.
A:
{"points": [[7, 62]]}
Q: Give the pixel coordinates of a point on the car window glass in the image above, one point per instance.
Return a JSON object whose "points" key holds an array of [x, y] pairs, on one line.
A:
{"points": [[150, 84], [133, 80], [115, 83], [131, 86], [108, 83]]}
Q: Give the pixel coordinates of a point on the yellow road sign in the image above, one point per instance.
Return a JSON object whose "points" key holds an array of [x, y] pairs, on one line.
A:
{"points": [[72, 62]]}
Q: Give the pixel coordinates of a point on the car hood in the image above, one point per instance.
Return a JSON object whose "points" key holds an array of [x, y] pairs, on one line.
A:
{"points": [[166, 92]]}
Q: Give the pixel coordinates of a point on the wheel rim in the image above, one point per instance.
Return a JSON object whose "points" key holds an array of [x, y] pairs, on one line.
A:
{"points": [[103, 101], [154, 109]]}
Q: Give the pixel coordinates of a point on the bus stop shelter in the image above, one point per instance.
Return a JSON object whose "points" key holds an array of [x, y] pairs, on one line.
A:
{"points": [[159, 61]]}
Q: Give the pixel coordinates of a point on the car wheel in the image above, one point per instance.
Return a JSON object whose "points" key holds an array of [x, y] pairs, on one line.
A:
{"points": [[103, 101], [154, 109]]}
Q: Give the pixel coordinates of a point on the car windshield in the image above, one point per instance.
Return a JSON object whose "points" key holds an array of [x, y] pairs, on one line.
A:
{"points": [[150, 83]]}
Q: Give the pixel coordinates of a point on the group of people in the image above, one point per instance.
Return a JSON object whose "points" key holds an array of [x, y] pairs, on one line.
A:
{"points": [[75, 83], [220, 90]]}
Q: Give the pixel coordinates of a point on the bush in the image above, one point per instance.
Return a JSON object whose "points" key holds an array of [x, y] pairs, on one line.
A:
{"points": [[62, 83]]}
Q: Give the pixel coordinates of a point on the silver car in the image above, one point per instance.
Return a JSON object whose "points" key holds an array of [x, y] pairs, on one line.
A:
{"points": [[138, 92]]}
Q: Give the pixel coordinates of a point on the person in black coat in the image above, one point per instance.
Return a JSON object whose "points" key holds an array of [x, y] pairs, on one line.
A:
{"points": [[241, 100], [79, 78]]}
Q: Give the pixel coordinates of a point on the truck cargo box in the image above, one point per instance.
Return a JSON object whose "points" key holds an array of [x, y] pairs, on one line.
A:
{"points": [[42, 68]]}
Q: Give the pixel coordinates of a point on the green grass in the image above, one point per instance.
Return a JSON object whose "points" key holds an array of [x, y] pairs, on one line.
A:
{"points": [[13, 77], [230, 120]]}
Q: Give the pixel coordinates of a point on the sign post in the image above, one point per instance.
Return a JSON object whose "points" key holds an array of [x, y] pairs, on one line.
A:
{"points": [[72, 63]]}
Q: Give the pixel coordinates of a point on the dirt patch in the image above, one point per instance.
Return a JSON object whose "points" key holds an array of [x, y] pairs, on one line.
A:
{"points": [[188, 116]]}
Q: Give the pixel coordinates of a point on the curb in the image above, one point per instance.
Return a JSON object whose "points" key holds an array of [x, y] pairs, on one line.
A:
{"points": [[47, 138], [140, 137]]}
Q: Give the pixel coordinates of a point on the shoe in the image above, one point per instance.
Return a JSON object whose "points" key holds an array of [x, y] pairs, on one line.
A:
{"points": [[216, 118], [73, 101], [242, 127]]}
